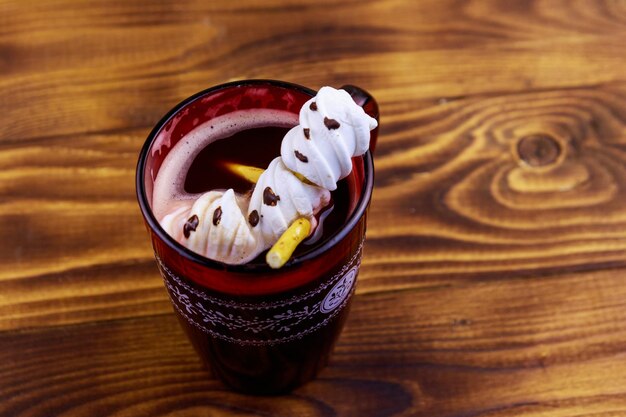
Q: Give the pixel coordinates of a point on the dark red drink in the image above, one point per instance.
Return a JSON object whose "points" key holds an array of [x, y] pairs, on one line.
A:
{"points": [[260, 330], [209, 172]]}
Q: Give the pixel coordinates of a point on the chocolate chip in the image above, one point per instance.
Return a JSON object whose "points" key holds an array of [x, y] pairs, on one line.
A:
{"points": [[217, 216], [307, 133], [190, 226], [313, 106], [253, 218], [301, 157], [269, 198], [331, 123]]}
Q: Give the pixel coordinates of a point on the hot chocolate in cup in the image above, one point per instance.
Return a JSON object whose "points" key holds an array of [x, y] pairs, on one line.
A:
{"points": [[259, 330]]}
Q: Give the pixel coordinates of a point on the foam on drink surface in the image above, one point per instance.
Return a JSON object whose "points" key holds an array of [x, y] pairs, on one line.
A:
{"points": [[315, 154], [169, 186]]}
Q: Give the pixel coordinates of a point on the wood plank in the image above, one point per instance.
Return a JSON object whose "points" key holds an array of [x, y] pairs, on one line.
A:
{"points": [[122, 65], [453, 201], [74, 245], [532, 347], [493, 278], [455, 195]]}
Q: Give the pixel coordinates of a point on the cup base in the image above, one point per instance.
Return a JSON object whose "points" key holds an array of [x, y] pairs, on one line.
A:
{"points": [[267, 370]]}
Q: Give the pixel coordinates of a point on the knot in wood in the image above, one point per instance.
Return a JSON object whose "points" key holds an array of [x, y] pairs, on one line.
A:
{"points": [[538, 150]]}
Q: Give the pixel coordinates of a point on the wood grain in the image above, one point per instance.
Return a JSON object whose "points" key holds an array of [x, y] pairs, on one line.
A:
{"points": [[548, 352], [492, 282], [454, 182], [87, 149]]}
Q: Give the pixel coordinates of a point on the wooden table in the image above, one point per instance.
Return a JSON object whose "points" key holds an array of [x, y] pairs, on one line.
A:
{"points": [[494, 276]]}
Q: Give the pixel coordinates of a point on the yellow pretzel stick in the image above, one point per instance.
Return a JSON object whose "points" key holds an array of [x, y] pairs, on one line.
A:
{"points": [[252, 174], [282, 250], [247, 172]]}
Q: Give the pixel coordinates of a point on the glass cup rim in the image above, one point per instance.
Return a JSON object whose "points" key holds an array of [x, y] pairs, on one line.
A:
{"points": [[155, 226]]}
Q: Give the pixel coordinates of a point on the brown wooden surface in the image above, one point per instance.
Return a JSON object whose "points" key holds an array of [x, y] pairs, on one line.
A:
{"points": [[494, 278]]}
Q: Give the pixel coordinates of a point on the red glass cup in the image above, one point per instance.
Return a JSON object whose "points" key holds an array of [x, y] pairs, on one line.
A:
{"points": [[259, 330]]}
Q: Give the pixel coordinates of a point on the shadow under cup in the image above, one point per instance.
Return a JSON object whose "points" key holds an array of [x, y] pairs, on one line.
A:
{"points": [[259, 330]]}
